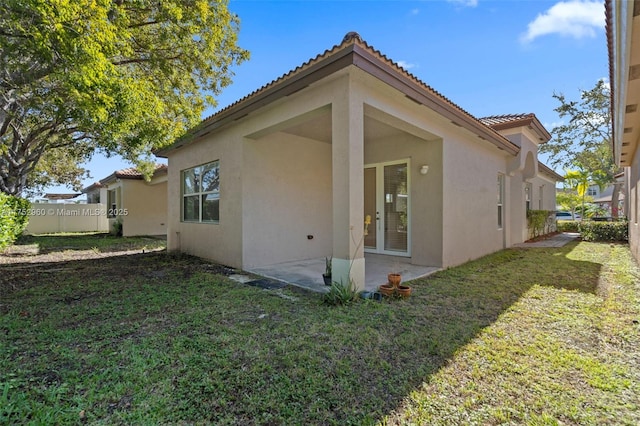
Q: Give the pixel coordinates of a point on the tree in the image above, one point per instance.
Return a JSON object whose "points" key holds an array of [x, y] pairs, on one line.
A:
{"points": [[117, 76], [585, 141], [578, 181]]}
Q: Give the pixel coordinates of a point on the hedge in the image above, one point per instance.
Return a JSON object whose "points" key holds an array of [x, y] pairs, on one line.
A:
{"points": [[604, 231], [14, 216], [597, 231]]}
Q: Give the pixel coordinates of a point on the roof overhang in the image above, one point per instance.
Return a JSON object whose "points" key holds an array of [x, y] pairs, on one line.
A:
{"points": [[623, 37], [353, 51]]}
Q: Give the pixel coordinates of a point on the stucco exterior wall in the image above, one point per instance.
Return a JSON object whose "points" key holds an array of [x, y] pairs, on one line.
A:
{"points": [[287, 197], [221, 241], [146, 207], [426, 194], [278, 187], [633, 204], [470, 227]]}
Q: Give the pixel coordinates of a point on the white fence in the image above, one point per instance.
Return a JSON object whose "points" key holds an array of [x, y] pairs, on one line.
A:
{"points": [[45, 218]]}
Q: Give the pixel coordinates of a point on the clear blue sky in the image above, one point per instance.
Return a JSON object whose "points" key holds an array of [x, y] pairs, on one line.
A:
{"points": [[490, 57]]}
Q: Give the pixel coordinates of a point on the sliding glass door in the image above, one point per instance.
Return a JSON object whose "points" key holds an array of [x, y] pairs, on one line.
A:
{"points": [[386, 200]]}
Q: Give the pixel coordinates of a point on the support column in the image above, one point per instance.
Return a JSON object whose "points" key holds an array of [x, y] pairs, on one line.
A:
{"points": [[347, 117]]}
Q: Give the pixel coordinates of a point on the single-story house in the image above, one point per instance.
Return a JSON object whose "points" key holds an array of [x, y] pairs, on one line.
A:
{"points": [[140, 206], [623, 37], [295, 169]]}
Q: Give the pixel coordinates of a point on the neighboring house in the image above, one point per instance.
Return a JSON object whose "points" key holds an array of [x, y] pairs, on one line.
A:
{"points": [[623, 37], [140, 206], [603, 198], [291, 171]]}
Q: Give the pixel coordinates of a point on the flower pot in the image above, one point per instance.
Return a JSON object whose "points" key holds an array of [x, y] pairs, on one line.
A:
{"points": [[326, 279], [394, 279], [403, 291], [386, 290]]}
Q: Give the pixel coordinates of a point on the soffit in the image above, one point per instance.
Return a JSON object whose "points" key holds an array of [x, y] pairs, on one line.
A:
{"points": [[631, 131]]}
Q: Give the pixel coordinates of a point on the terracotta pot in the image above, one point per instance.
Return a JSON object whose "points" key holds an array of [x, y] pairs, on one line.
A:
{"points": [[386, 289], [404, 291], [394, 279]]}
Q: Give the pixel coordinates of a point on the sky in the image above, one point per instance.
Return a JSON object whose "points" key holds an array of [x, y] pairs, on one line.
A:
{"points": [[490, 57]]}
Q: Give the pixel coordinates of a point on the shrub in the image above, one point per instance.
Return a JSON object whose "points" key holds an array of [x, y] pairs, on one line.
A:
{"points": [[14, 216], [540, 222], [604, 231], [340, 294], [568, 226]]}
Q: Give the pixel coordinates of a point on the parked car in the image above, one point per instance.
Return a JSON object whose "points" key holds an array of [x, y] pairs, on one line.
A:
{"points": [[568, 216]]}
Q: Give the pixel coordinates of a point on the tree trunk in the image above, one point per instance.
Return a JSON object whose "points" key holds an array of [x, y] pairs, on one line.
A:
{"points": [[615, 197]]}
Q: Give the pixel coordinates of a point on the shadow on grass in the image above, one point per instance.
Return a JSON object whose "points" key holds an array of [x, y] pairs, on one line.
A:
{"points": [[189, 345]]}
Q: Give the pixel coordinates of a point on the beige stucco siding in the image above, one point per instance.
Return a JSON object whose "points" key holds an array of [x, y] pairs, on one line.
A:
{"points": [[426, 190], [146, 208], [218, 241], [287, 197], [470, 227], [633, 204]]}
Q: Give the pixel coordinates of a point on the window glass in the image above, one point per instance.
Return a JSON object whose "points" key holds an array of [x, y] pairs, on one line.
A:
{"points": [[191, 208], [201, 193], [500, 196]]}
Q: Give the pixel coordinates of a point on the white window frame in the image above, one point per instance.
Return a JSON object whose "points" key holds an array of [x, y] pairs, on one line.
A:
{"points": [[199, 192], [541, 199], [500, 196]]}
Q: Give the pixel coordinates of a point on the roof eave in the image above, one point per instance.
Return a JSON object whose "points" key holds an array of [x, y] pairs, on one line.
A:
{"points": [[351, 54], [550, 172]]}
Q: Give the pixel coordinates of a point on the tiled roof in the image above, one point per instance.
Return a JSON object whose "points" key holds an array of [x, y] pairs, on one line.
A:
{"points": [[132, 173], [509, 121], [351, 43], [49, 196], [506, 118]]}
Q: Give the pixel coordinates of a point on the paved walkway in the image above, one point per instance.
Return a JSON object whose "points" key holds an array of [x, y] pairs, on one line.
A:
{"points": [[558, 240]]}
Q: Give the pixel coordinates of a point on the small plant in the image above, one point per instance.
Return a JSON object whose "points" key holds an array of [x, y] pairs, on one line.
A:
{"points": [[117, 227], [340, 294], [327, 266]]}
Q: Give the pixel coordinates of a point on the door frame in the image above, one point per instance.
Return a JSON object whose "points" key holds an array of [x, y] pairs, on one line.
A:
{"points": [[380, 199]]}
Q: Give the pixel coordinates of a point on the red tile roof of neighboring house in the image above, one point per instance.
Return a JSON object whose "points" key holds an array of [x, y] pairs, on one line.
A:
{"points": [[60, 196], [131, 173], [351, 51], [92, 187]]}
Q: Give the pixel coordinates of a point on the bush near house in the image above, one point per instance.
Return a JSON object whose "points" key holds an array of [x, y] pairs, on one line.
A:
{"points": [[604, 231], [597, 231], [14, 216], [568, 226], [540, 222]]}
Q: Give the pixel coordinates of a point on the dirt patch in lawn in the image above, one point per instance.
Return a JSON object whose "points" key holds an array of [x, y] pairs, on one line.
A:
{"points": [[23, 268]]}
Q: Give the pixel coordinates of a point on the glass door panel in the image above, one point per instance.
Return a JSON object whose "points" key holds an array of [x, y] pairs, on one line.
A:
{"points": [[370, 240], [386, 200], [396, 199]]}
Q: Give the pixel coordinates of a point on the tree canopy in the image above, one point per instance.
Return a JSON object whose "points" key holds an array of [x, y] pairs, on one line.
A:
{"points": [[118, 76], [583, 144]]}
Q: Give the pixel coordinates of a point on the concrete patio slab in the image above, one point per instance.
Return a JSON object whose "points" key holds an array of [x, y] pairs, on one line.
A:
{"points": [[308, 273], [558, 240]]}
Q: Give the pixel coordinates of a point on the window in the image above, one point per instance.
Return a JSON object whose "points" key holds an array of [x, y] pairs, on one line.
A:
{"points": [[500, 200], [112, 204], [201, 193], [527, 196], [541, 200], [592, 191]]}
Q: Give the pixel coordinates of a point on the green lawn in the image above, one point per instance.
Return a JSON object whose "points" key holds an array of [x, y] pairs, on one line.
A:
{"points": [[537, 336]]}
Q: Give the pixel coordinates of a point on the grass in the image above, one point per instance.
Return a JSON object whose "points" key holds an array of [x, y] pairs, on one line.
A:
{"points": [[95, 241], [537, 337]]}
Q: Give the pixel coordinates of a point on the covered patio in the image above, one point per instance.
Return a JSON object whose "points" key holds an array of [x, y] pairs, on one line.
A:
{"points": [[308, 273]]}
